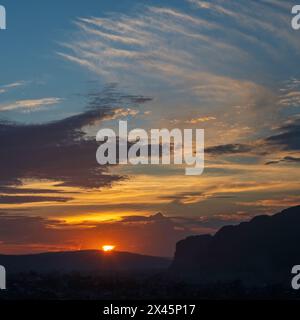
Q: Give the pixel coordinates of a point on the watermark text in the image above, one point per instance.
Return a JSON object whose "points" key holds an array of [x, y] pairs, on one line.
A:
{"points": [[296, 19], [163, 146], [2, 18], [2, 278]]}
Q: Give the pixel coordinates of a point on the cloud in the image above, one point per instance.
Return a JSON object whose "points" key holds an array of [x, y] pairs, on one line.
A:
{"points": [[287, 159], [123, 46], [185, 197], [247, 16], [153, 39], [288, 137], [59, 151], [212, 6], [185, 58], [22, 190], [29, 105], [290, 94], [279, 201], [217, 190], [284, 138], [7, 87], [229, 149], [282, 144], [194, 120], [199, 120], [30, 199], [154, 234], [31, 234], [122, 113], [290, 99]]}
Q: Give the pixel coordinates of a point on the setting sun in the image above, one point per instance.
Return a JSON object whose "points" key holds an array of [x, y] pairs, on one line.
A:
{"points": [[108, 248]]}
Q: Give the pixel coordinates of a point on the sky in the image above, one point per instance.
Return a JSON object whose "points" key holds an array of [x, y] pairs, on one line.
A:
{"points": [[68, 70]]}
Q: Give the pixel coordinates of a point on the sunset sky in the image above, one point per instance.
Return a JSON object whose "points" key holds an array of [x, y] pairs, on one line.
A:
{"points": [[68, 70]]}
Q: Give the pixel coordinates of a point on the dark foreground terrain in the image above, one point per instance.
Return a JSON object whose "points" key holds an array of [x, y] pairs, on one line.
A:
{"points": [[122, 286], [81, 261], [259, 252], [252, 260]]}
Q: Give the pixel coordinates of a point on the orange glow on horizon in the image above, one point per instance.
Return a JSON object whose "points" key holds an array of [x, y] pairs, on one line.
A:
{"points": [[108, 248]]}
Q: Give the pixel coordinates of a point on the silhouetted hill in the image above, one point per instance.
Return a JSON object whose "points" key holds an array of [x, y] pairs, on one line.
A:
{"points": [[81, 261], [261, 251]]}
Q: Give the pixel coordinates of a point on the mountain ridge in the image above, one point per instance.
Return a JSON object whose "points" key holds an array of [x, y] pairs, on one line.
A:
{"points": [[263, 250], [81, 261]]}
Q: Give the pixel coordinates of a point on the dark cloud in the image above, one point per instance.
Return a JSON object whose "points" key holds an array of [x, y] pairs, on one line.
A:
{"points": [[59, 150], [179, 197], [288, 138], [212, 223], [156, 217], [15, 190], [154, 235], [30, 199], [287, 159], [196, 197], [229, 149]]}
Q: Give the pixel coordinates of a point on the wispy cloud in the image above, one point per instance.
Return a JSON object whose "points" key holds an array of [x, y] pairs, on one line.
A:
{"points": [[7, 87], [122, 113], [247, 15], [194, 120], [204, 60], [148, 37], [29, 105], [139, 44], [290, 93], [287, 159]]}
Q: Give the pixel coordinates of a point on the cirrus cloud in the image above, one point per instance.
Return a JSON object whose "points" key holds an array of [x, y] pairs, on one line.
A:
{"points": [[29, 104]]}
